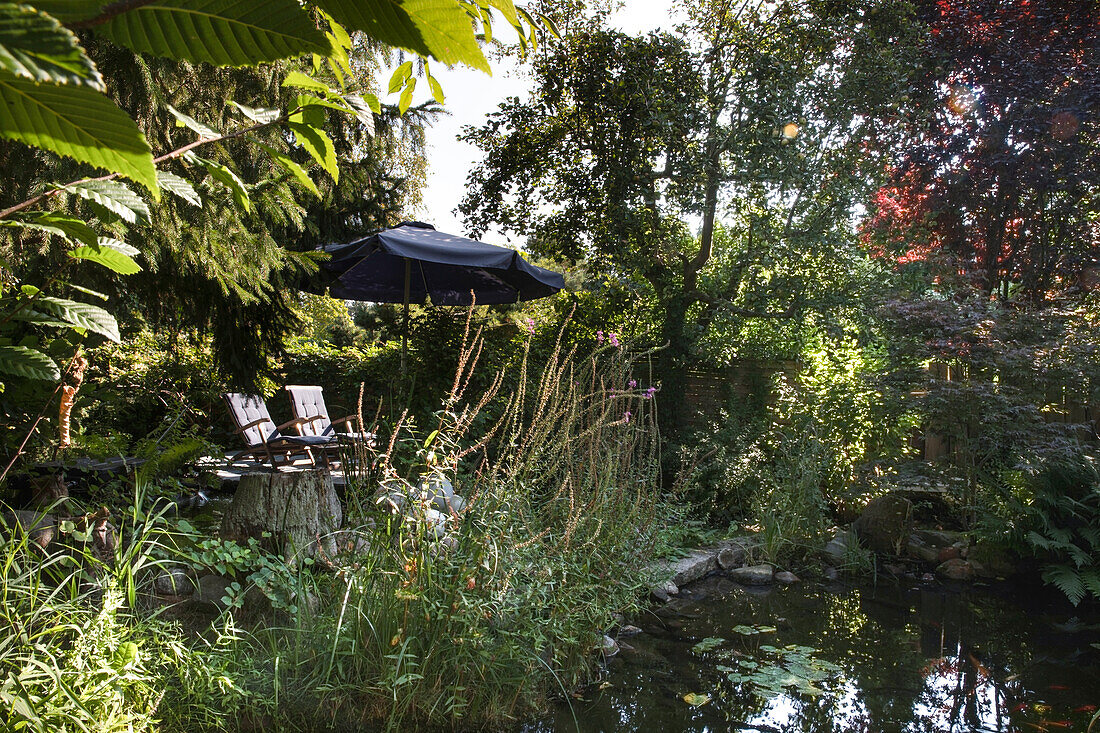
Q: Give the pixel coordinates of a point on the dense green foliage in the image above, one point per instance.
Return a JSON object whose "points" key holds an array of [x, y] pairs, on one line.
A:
{"points": [[717, 189], [401, 629], [764, 124], [716, 197]]}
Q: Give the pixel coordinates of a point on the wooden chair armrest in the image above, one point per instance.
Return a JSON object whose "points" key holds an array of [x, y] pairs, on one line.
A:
{"points": [[254, 423], [292, 423], [349, 422]]}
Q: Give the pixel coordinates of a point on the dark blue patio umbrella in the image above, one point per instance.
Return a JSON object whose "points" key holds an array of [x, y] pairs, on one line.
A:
{"points": [[413, 262]]}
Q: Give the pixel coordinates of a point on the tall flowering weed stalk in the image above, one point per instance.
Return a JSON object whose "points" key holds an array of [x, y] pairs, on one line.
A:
{"points": [[475, 624]]}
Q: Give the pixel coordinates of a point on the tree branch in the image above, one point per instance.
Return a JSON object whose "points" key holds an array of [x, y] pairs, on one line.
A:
{"points": [[789, 312], [167, 156]]}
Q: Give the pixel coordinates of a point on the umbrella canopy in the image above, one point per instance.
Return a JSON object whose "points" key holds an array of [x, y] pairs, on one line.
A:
{"points": [[411, 262]]}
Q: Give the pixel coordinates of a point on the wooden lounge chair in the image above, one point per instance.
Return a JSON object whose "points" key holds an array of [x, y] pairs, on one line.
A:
{"points": [[265, 439], [307, 403]]}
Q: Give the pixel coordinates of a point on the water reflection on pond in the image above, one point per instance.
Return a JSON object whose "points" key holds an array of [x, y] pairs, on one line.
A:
{"points": [[828, 658]]}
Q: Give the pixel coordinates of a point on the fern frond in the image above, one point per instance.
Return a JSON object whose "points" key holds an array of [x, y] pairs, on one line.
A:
{"points": [[1066, 579], [1037, 540], [1091, 580]]}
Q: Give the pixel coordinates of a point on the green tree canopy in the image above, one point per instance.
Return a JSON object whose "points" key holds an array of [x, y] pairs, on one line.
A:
{"points": [[769, 118]]}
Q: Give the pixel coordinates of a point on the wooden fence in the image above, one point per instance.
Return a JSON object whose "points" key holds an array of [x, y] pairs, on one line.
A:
{"points": [[708, 392]]}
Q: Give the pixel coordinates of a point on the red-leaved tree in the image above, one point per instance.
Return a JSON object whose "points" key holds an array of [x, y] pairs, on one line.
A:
{"points": [[1000, 183]]}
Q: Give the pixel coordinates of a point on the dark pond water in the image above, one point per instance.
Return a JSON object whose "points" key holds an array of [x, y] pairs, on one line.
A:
{"points": [[819, 658]]}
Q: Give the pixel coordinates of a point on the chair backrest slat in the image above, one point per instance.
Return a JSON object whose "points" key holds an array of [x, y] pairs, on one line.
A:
{"points": [[308, 401], [245, 408]]}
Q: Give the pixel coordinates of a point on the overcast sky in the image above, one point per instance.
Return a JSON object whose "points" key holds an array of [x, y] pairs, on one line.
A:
{"points": [[471, 96]]}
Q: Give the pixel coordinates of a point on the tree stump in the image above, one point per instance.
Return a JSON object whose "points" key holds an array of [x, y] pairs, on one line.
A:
{"points": [[301, 511]]}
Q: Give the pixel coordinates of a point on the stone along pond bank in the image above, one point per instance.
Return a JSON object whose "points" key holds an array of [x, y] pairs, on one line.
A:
{"points": [[885, 528]]}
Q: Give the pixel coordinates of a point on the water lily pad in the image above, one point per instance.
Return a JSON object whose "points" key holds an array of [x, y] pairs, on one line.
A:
{"points": [[753, 630], [707, 644]]}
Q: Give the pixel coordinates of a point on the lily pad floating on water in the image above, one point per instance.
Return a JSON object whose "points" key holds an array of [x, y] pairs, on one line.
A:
{"points": [[707, 644], [794, 668], [696, 699], [753, 630]]}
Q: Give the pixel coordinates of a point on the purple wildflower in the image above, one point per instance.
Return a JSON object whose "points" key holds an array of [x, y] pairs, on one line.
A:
{"points": [[626, 416], [632, 384], [650, 392], [613, 339], [599, 337], [530, 326]]}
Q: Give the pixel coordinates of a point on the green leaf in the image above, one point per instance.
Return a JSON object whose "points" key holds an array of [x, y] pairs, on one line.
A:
{"points": [[35, 46], [440, 29], [365, 109], [108, 257], [28, 363], [315, 141], [406, 96], [89, 291], [1067, 580], [400, 75], [262, 115], [72, 227], [115, 197], [437, 90], [119, 245], [179, 186], [302, 81], [76, 122], [290, 165], [29, 315], [696, 699], [219, 32], [549, 25], [227, 178], [34, 226], [708, 644], [508, 8], [184, 120], [81, 315], [308, 100]]}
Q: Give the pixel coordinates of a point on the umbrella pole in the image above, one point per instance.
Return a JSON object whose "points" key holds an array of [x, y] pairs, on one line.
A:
{"points": [[405, 330]]}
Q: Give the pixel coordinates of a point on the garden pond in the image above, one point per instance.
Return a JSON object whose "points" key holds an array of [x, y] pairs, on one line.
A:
{"points": [[816, 657]]}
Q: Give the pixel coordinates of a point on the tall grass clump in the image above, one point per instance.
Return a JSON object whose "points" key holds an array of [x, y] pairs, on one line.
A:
{"points": [[471, 618], [76, 651]]}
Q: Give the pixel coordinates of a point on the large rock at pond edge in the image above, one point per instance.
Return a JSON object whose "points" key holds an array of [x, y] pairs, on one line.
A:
{"points": [[732, 555], [885, 524], [173, 582], [752, 575], [301, 511], [40, 529], [955, 569], [836, 549], [210, 590], [687, 569], [934, 546]]}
